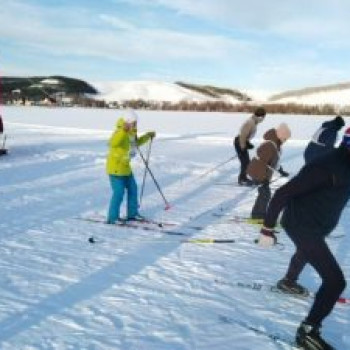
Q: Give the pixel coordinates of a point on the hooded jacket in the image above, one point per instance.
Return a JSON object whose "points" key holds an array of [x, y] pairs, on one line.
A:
{"points": [[261, 167], [315, 198], [120, 146], [323, 140]]}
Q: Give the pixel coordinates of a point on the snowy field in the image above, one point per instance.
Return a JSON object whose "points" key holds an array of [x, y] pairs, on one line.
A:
{"points": [[137, 289]]}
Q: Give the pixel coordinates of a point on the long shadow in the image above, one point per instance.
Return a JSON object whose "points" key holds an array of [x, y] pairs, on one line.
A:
{"points": [[94, 284], [206, 183], [41, 167], [104, 278], [189, 136]]}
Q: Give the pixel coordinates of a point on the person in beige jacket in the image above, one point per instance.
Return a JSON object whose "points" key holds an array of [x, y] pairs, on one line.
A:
{"points": [[264, 164], [242, 143]]}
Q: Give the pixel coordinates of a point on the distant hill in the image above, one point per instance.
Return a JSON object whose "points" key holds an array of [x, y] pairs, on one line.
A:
{"points": [[146, 94], [157, 91], [43, 86], [152, 91], [334, 94]]}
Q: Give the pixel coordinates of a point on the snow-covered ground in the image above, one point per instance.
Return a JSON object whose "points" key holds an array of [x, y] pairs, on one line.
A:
{"points": [[142, 290]]}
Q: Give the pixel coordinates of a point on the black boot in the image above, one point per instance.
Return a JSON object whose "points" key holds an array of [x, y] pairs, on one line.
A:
{"points": [[308, 337], [244, 181], [291, 287]]}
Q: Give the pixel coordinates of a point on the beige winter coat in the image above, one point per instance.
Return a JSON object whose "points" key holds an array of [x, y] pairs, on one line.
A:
{"points": [[248, 131]]}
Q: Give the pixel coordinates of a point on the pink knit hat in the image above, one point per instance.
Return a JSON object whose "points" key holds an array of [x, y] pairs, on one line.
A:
{"points": [[283, 132]]}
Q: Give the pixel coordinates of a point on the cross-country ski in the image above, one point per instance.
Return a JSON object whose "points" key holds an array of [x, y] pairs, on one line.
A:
{"points": [[273, 288]]}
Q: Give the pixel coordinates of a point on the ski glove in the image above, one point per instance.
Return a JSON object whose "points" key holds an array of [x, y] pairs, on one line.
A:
{"points": [[249, 145], [267, 237], [282, 172], [151, 134]]}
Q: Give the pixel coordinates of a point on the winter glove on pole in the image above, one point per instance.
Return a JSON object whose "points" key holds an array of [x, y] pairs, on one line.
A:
{"points": [[249, 145], [267, 237], [151, 134], [145, 172], [282, 172]]}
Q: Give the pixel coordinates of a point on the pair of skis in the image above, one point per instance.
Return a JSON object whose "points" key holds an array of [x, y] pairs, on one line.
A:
{"points": [[167, 229], [157, 226], [239, 219], [270, 288], [280, 338]]}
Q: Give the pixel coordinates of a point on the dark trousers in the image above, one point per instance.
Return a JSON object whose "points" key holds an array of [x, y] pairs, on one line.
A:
{"points": [[314, 251], [262, 201], [244, 159]]}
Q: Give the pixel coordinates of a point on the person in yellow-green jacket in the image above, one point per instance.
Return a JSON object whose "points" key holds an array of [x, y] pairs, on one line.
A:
{"points": [[122, 147]]}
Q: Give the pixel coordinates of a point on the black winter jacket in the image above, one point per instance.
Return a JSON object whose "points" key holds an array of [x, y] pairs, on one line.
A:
{"points": [[315, 198]]}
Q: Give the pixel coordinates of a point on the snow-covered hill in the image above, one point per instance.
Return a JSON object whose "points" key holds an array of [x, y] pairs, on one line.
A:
{"points": [[136, 289], [337, 95], [155, 91]]}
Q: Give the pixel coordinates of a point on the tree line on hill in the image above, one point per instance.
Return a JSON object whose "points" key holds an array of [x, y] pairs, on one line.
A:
{"points": [[64, 91], [20, 90], [244, 107]]}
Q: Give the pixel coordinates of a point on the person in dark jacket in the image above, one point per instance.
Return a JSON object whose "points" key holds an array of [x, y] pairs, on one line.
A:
{"points": [[324, 139], [264, 164], [242, 143], [313, 202]]}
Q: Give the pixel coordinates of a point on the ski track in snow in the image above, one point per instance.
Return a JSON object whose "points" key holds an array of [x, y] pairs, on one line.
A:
{"points": [[138, 289]]}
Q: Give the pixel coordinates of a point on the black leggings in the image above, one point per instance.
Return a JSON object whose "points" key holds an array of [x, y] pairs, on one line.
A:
{"points": [[315, 251], [243, 157], [262, 201]]}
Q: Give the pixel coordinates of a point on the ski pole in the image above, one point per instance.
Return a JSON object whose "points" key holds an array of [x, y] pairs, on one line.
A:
{"points": [[217, 166], [145, 172], [3, 142], [3, 150], [167, 205]]}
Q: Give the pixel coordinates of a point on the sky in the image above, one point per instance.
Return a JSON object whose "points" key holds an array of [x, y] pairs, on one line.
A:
{"points": [[269, 45]]}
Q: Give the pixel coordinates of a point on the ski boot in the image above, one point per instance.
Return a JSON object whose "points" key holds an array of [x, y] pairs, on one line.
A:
{"points": [[291, 287], [244, 181], [138, 218], [308, 337]]}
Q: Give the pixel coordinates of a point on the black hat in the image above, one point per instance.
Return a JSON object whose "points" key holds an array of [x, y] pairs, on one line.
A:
{"points": [[260, 112], [339, 121]]}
